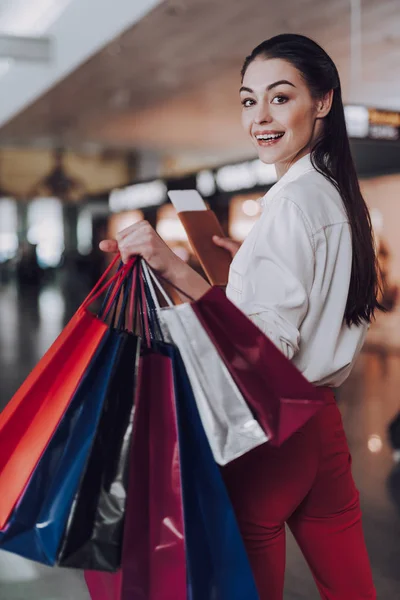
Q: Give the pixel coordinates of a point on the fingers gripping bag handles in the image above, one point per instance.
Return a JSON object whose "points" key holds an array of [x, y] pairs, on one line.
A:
{"points": [[33, 414]]}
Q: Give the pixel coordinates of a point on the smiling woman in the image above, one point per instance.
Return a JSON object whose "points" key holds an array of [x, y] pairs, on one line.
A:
{"points": [[306, 275]]}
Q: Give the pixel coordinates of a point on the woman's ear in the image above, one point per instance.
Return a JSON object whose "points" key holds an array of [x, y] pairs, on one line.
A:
{"points": [[324, 105]]}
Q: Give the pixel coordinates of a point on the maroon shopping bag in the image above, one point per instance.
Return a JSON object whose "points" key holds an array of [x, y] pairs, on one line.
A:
{"points": [[280, 397], [153, 559], [104, 586]]}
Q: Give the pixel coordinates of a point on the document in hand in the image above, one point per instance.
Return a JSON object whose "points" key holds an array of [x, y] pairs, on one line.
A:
{"points": [[201, 224]]}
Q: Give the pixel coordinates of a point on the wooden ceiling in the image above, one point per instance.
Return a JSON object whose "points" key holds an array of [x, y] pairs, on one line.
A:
{"points": [[171, 82]]}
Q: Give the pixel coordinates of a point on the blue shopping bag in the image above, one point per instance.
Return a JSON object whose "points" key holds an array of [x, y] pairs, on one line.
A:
{"points": [[217, 564], [37, 524], [94, 533]]}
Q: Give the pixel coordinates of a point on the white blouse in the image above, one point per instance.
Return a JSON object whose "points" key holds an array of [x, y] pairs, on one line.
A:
{"points": [[291, 275]]}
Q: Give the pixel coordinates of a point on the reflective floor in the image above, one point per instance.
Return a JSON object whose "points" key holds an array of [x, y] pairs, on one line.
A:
{"points": [[29, 322]]}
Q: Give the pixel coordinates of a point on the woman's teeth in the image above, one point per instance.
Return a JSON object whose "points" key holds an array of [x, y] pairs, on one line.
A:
{"points": [[269, 137]]}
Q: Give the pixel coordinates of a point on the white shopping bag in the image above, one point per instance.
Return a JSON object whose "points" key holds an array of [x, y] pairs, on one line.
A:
{"points": [[229, 424]]}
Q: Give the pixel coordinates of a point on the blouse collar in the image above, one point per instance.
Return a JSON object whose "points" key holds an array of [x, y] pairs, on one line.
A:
{"points": [[303, 165]]}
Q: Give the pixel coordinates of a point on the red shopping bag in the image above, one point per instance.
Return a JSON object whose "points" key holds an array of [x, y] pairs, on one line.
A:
{"points": [[104, 586], [32, 415], [153, 560], [280, 397]]}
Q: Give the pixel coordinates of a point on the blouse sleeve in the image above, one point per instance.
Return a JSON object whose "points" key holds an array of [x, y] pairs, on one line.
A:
{"points": [[282, 275]]}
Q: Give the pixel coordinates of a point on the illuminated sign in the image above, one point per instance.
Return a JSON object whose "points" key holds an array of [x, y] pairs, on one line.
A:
{"points": [[373, 123], [384, 117], [139, 195], [384, 124], [383, 132], [245, 176]]}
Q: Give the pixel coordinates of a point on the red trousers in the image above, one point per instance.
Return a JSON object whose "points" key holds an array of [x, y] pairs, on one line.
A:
{"points": [[306, 483]]}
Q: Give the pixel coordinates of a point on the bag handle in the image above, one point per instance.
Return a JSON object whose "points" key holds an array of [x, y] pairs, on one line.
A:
{"points": [[128, 283], [153, 306], [88, 298], [132, 308], [116, 293], [151, 278], [144, 307], [137, 310], [120, 274], [109, 292], [157, 277], [112, 296]]}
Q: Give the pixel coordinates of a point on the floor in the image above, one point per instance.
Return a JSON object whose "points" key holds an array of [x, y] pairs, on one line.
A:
{"points": [[30, 320]]}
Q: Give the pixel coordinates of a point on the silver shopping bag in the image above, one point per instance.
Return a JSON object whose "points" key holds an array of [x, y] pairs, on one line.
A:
{"points": [[230, 426]]}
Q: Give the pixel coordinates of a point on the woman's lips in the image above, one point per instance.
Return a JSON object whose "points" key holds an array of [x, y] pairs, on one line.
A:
{"points": [[268, 139]]}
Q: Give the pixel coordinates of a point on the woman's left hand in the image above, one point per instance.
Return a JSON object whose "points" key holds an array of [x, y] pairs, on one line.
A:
{"points": [[141, 239]]}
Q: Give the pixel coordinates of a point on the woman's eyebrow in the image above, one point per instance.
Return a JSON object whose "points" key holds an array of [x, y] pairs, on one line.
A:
{"points": [[270, 87]]}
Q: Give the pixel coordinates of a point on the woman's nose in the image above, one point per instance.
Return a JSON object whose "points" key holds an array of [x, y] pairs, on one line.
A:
{"points": [[263, 114]]}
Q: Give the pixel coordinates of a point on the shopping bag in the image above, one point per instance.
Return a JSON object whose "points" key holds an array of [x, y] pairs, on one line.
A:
{"points": [[278, 394], [153, 561], [227, 419], [104, 586], [32, 415], [217, 567], [229, 423], [154, 553], [93, 536], [167, 546], [36, 527], [217, 564]]}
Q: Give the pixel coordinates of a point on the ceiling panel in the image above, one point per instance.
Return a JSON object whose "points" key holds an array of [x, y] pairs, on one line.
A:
{"points": [[171, 82]]}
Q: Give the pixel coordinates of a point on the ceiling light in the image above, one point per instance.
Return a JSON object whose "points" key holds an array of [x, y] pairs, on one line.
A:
{"points": [[30, 17]]}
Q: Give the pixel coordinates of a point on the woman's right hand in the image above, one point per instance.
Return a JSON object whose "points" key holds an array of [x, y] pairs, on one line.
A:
{"points": [[231, 245]]}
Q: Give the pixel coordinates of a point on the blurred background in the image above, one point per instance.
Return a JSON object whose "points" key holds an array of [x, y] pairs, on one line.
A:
{"points": [[104, 106]]}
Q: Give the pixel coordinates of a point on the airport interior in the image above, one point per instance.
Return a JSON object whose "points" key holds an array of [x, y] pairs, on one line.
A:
{"points": [[104, 108]]}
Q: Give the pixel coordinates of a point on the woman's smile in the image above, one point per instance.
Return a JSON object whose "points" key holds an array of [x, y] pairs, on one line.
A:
{"points": [[268, 138]]}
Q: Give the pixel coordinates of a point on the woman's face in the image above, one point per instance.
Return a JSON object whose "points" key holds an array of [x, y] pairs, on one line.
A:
{"points": [[279, 113]]}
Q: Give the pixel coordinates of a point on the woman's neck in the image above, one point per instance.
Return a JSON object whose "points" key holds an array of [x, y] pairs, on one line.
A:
{"points": [[283, 167]]}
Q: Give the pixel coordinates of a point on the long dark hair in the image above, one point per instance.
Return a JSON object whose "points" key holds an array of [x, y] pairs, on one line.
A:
{"points": [[331, 156]]}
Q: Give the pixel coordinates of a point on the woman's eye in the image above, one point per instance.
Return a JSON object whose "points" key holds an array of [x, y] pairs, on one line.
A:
{"points": [[279, 99], [247, 102]]}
